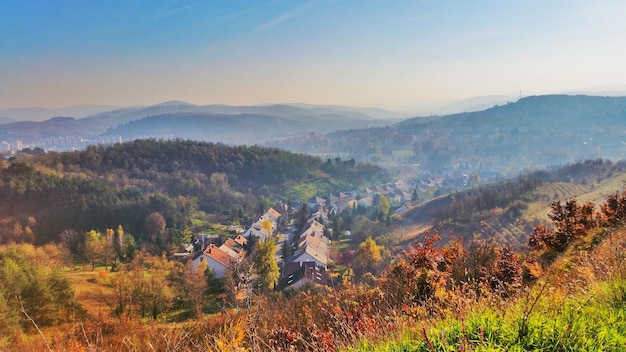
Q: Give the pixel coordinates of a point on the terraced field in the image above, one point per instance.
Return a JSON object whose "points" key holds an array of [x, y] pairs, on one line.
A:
{"points": [[500, 226], [551, 192]]}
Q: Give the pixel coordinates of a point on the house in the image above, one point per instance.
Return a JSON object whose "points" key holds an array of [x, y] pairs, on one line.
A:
{"points": [[215, 259], [242, 241], [345, 203], [313, 230], [233, 249], [271, 214], [401, 209], [202, 240], [321, 214], [257, 231], [315, 203], [235, 229], [308, 253], [312, 226], [298, 274], [320, 243], [366, 202]]}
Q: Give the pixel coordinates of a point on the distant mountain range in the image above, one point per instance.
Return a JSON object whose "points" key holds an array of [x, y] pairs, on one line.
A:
{"points": [[42, 114], [536, 131], [175, 119], [5, 120]]}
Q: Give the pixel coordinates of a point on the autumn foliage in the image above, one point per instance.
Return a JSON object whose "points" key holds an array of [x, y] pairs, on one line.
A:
{"points": [[573, 222], [430, 281]]}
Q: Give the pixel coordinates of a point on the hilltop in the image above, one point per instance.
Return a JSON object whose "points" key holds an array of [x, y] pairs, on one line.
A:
{"points": [[534, 132], [176, 119], [104, 186], [506, 212]]}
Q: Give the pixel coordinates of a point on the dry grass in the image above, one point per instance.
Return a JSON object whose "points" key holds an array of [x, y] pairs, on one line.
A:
{"points": [[93, 290]]}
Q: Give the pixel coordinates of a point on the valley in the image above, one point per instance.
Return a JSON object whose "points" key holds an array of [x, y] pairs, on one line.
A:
{"points": [[163, 234]]}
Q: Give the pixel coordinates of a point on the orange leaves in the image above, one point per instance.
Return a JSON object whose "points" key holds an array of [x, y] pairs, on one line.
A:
{"points": [[284, 339], [572, 223], [613, 211]]}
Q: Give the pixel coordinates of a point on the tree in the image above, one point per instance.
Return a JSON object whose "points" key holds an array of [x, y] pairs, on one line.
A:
{"points": [[219, 180], [108, 247], [613, 210], [474, 180], [123, 286], [414, 196], [383, 207], [267, 224], [265, 264], [368, 255], [31, 285], [191, 285], [152, 292], [507, 275], [416, 277], [214, 289], [94, 244], [572, 222], [287, 249], [118, 242], [154, 225], [130, 247], [303, 216]]}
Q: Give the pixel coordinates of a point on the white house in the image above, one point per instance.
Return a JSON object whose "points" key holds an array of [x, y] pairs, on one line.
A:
{"points": [[215, 259], [309, 254]]}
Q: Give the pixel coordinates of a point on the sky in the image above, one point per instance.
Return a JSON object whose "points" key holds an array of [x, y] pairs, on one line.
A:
{"points": [[399, 55]]}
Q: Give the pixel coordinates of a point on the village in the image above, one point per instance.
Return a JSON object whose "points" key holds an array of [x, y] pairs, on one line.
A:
{"points": [[303, 245]]}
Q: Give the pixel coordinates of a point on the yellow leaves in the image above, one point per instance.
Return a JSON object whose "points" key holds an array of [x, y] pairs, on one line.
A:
{"points": [[533, 269], [267, 224], [231, 337], [368, 253]]}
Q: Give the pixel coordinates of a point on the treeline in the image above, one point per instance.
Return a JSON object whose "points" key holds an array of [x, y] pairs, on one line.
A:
{"points": [[106, 186], [468, 205], [585, 172], [37, 207], [512, 196]]}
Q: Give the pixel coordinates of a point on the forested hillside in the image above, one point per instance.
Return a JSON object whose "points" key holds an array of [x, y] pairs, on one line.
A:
{"points": [[507, 211], [106, 186], [534, 132]]}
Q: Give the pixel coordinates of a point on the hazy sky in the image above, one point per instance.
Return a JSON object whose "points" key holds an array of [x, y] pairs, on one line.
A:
{"points": [[393, 54]]}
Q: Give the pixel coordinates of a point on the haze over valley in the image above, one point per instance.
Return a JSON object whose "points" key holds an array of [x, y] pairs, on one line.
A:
{"points": [[312, 176]]}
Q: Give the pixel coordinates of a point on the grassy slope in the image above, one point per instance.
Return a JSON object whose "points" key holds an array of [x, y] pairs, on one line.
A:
{"points": [[93, 290], [579, 305]]}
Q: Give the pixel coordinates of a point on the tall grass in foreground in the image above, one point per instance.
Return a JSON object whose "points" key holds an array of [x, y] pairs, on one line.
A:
{"points": [[595, 321], [579, 306]]}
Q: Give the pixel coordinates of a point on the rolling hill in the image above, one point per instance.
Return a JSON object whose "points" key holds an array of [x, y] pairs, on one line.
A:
{"points": [[241, 128], [534, 132], [6, 120], [511, 216], [175, 119], [42, 114]]}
